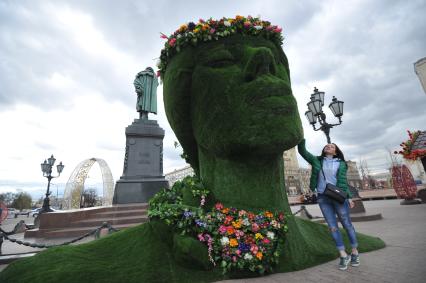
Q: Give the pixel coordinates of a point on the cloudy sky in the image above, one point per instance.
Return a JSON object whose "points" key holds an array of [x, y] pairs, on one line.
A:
{"points": [[67, 71]]}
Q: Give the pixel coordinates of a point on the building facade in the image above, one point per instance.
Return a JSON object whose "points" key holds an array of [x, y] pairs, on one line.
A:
{"points": [[296, 179], [179, 174]]}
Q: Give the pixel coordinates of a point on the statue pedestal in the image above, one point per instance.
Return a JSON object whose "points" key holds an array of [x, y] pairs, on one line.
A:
{"points": [[143, 163]]}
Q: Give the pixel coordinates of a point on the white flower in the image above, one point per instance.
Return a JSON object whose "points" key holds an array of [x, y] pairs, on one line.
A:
{"points": [[275, 224], [248, 256], [246, 222], [258, 27], [227, 23], [178, 36], [224, 241], [270, 235], [158, 63]]}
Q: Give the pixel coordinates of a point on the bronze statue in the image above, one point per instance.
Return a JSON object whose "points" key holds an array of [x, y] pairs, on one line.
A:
{"points": [[146, 84]]}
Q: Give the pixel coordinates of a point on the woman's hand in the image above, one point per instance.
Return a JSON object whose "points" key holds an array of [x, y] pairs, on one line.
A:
{"points": [[351, 203]]}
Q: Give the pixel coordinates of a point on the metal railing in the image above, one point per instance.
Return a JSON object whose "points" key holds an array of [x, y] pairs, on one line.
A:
{"points": [[4, 235]]}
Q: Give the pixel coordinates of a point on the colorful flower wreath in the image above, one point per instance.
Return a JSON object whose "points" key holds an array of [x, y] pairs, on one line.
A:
{"points": [[191, 34], [236, 239], [407, 152]]}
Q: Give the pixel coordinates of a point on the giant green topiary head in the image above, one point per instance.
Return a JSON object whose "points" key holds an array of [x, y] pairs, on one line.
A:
{"points": [[231, 98]]}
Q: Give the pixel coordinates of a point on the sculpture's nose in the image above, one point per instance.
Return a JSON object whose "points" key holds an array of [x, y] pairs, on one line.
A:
{"points": [[260, 62]]}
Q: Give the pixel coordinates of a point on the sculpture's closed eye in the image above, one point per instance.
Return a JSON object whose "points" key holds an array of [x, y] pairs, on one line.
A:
{"points": [[220, 59]]}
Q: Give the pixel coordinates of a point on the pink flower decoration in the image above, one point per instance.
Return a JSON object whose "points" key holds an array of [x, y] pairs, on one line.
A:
{"points": [[222, 229], [158, 74], [266, 240], [201, 237], [219, 206], [172, 42], [247, 24], [239, 233], [163, 35], [212, 31], [278, 30], [254, 249], [255, 227]]}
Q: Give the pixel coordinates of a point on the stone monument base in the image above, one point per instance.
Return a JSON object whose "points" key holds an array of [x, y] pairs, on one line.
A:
{"points": [[410, 201], [137, 190]]}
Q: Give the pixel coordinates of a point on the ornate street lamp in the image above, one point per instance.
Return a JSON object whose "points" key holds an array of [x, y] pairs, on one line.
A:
{"points": [[46, 168], [315, 112]]}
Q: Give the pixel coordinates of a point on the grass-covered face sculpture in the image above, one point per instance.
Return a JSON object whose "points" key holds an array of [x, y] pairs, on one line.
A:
{"points": [[232, 99]]}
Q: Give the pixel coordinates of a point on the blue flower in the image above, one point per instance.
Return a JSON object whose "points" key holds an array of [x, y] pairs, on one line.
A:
{"points": [[244, 247], [200, 223], [187, 213]]}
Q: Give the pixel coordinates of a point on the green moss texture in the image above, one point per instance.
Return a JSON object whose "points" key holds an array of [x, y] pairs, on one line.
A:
{"points": [[144, 254], [231, 106], [232, 98]]}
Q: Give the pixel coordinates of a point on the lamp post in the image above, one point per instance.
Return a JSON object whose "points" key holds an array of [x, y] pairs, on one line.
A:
{"points": [[46, 168], [315, 112]]}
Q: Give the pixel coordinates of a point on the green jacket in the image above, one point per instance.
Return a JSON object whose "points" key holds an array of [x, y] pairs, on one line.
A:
{"points": [[316, 163]]}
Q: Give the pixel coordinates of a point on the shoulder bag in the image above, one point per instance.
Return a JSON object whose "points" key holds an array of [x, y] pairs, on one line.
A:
{"points": [[333, 191]]}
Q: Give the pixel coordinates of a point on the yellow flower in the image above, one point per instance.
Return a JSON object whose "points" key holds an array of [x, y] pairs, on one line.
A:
{"points": [[258, 236], [239, 18], [183, 27], [205, 27], [233, 242], [268, 214], [196, 30], [259, 255], [237, 224]]}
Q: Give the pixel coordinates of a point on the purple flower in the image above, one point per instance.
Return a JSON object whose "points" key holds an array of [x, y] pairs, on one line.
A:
{"points": [[259, 217], [191, 26], [244, 247], [200, 223], [187, 214]]}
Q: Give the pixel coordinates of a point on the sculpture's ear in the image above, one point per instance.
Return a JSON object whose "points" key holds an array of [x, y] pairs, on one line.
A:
{"points": [[177, 83]]}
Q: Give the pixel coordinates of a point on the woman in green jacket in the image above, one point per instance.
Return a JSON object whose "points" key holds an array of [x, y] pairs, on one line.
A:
{"points": [[332, 163]]}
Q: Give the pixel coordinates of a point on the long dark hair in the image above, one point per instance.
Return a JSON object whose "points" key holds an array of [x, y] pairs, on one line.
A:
{"points": [[339, 153]]}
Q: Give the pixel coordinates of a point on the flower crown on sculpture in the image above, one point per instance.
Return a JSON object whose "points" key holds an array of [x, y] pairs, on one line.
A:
{"points": [[191, 34]]}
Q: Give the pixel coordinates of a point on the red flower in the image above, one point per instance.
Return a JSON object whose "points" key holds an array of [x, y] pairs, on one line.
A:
{"points": [[228, 219], [230, 230]]}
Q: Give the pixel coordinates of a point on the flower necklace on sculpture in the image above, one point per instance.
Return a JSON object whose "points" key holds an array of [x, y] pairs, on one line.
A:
{"points": [[236, 239]]}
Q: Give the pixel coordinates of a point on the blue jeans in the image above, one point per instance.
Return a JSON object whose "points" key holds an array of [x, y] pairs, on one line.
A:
{"points": [[330, 208]]}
